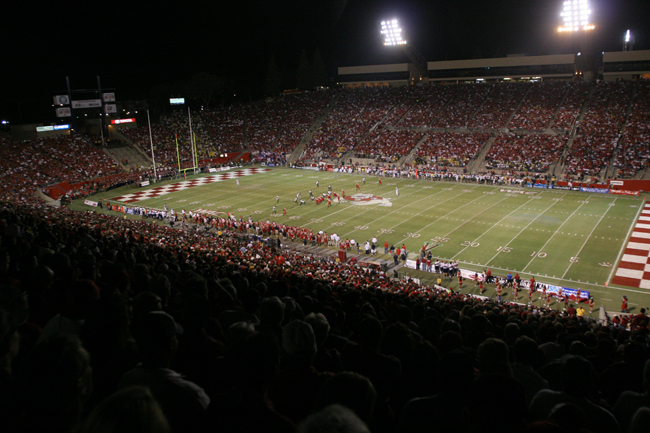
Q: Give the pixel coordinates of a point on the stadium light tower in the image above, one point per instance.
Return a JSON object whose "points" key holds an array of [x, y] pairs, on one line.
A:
{"points": [[392, 33], [628, 45], [575, 15], [577, 24], [392, 36]]}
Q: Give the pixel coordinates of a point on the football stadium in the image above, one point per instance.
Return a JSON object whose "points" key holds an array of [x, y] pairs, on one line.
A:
{"points": [[361, 254]]}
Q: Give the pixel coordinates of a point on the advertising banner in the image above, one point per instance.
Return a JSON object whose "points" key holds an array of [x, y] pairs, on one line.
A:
{"points": [[90, 203], [596, 190], [87, 103], [623, 192]]}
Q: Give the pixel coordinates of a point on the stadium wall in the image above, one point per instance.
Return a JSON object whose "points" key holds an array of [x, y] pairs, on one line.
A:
{"points": [[626, 65]]}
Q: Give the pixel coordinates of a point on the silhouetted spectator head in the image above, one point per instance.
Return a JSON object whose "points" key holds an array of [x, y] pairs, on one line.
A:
{"points": [[511, 332], [450, 340], [526, 351], [8, 340], [196, 285], [256, 362], [271, 311], [646, 376], [155, 335], [456, 371], [370, 332], [145, 302], [351, 390], [299, 342], [129, 410], [489, 393], [237, 333], [319, 325], [160, 285], [640, 421], [15, 302], [493, 357], [578, 348], [81, 298], [334, 418], [57, 380], [578, 376], [450, 325], [568, 417]]}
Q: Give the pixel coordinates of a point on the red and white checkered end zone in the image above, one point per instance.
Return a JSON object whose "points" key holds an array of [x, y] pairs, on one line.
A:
{"points": [[634, 269], [186, 184]]}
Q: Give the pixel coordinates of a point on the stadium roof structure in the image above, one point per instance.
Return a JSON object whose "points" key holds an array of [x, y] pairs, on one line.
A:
{"points": [[615, 65]]}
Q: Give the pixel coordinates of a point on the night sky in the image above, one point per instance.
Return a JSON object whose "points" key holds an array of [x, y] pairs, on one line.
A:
{"points": [[136, 45]]}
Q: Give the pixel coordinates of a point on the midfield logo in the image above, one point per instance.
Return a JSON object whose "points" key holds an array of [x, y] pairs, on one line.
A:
{"points": [[367, 199]]}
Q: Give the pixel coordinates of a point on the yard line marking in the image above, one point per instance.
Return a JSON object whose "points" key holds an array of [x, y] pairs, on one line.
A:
{"points": [[493, 226], [587, 240], [444, 216], [554, 233], [421, 212], [522, 230]]}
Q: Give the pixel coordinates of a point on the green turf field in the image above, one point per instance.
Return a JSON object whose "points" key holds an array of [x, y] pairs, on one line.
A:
{"points": [[563, 238]]}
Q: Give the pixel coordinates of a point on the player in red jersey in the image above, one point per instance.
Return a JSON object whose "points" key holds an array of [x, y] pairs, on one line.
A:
{"points": [[591, 305], [380, 181], [358, 187]]}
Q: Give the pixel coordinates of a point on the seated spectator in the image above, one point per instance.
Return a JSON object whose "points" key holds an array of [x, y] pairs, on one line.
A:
{"points": [[334, 418], [182, 401], [131, 409], [56, 380], [578, 383], [246, 407], [629, 401], [294, 391]]}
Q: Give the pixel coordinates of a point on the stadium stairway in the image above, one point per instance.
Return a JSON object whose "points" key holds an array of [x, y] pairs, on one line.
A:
{"points": [[557, 109], [128, 153], [409, 157], [475, 165], [521, 101], [297, 152], [572, 134]]}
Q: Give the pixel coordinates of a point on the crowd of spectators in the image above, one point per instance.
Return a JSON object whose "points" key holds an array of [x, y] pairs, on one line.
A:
{"points": [[30, 164], [450, 149], [529, 153], [385, 145], [633, 153], [108, 323], [569, 110], [461, 108], [597, 136], [539, 105], [348, 122], [500, 103], [430, 102]]}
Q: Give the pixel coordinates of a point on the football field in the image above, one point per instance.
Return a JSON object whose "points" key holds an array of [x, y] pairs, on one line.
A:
{"points": [[563, 238]]}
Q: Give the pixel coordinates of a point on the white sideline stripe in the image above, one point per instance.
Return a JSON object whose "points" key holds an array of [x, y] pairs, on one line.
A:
{"points": [[644, 218], [634, 259], [642, 226], [641, 235], [645, 284]]}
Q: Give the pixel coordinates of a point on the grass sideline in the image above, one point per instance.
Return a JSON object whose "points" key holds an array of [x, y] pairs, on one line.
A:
{"points": [[560, 237]]}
